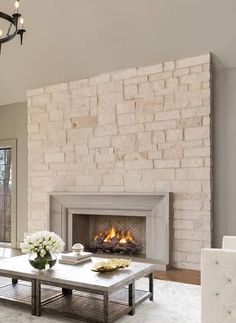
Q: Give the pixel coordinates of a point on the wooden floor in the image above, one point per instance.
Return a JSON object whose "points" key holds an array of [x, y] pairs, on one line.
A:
{"points": [[176, 275]]}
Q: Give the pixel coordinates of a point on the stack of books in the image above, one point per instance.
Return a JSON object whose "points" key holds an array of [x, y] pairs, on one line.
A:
{"points": [[73, 258]]}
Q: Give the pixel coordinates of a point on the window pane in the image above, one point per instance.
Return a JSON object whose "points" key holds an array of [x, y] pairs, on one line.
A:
{"points": [[5, 194]]}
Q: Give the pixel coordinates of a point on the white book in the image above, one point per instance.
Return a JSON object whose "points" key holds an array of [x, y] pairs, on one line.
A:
{"points": [[73, 262], [74, 256]]}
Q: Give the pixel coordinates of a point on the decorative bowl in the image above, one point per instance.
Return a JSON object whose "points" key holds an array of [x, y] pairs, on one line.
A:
{"points": [[111, 265], [78, 248]]}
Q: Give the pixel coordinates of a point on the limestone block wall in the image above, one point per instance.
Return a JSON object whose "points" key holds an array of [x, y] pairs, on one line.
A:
{"points": [[144, 129]]}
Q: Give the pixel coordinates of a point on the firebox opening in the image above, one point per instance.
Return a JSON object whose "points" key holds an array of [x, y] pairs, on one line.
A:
{"points": [[108, 234]]}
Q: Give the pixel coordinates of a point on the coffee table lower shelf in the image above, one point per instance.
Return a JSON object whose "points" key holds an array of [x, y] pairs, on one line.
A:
{"points": [[90, 307]]}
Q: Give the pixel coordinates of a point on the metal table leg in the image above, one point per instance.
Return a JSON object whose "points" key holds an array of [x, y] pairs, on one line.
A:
{"points": [[66, 291], [14, 281], [132, 298], [151, 289], [38, 298], [33, 297], [106, 308]]}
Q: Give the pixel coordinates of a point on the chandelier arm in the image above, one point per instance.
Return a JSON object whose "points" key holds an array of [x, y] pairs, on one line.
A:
{"points": [[9, 29], [13, 22]]}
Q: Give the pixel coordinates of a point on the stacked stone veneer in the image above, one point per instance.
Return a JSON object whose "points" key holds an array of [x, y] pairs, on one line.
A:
{"points": [[144, 129]]}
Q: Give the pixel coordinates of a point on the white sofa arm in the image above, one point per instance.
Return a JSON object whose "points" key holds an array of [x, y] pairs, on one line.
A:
{"points": [[229, 242], [218, 279]]}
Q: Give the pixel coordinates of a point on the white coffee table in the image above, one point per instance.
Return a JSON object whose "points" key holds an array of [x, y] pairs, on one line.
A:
{"points": [[78, 292]]}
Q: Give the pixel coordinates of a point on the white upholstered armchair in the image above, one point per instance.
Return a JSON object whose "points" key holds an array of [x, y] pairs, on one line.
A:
{"points": [[218, 279]]}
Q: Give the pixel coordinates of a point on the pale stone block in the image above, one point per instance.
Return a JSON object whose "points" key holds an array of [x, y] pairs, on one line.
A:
{"points": [[188, 245], [106, 116], [161, 125], [174, 135], [135, 128], [84, 122], [147, 148], [54, 157], [180, 72], [173, 153], [153, 69], [115, 86], [151, 103], [158, 136], [81, 150], [192, 162], [126, 119], [172, 163], [100, 79], [106, 130], [188, 205], [124, 74], [132, 175], [135, 186], [136, 80], [99, 142], [123, 141], [197, 133], [172, 83], [197, 60], [33, 128], [55, 115], [160, 76], [155, 154], [42, 99], [183, 225], [130, 91], [56, 88], [138, 164], [163, 186], [169, 66], [144, 115], [196, 69], [78, 84], [89, 180], [190, 122], [83, 92], [144, 138], [187, 186], [135, 156], [105, 158], [199, 173], [196, 112], [125, 107], [197, 152], [61, 97], [158, 174], [113, 180], [39, 117], [167, 115], [111, 99]]}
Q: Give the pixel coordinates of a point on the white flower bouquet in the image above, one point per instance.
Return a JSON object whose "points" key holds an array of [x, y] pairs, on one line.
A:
{"points": [[42, 246]]}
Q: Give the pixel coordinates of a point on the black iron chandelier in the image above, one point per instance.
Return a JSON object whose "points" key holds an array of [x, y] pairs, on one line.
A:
{"points": [[16, 25]]}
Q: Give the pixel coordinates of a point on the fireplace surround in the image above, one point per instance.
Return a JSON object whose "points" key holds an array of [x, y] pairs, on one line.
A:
{"points": [[71, 216]]}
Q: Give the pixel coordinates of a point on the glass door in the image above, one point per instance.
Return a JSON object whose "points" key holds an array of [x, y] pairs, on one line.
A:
{"points": [[5, 194]]}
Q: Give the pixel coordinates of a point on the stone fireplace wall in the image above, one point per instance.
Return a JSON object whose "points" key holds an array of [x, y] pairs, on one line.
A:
{"points": [[144, 129]]}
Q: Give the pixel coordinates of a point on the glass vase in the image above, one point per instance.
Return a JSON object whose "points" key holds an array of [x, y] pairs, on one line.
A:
{"points": [[45, 262]]}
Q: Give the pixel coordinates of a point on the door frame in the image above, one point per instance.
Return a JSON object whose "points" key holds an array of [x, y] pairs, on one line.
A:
{"points": [[12, 143]]}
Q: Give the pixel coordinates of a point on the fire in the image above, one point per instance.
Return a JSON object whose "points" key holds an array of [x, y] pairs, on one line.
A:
{"points": [[114, 234]]}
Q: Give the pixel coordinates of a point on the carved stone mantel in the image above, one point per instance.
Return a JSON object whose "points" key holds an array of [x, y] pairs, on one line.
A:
{"points": [[155, 207]]}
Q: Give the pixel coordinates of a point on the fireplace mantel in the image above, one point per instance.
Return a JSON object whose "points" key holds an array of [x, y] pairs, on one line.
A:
{"points": [[155, 207]]}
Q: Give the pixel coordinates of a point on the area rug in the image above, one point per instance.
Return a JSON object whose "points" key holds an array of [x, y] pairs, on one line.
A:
{"points": [[173, 303]]}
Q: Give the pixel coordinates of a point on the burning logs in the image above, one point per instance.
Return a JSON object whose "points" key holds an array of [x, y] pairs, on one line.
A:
{"points": [[114, 241]]}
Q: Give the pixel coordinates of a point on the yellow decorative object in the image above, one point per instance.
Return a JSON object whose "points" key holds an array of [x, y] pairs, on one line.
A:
{"points": [[111, 265]]}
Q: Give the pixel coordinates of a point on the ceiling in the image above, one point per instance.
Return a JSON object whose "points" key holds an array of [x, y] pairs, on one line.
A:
{"points": [[68, 40]]}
